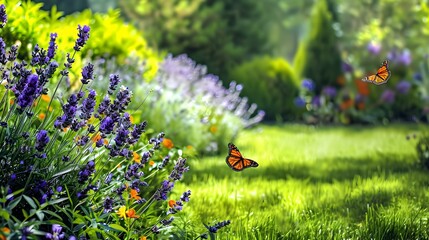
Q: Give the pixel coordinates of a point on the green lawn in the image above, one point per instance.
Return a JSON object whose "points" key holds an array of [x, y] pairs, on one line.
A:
{"points": [[314, 183]]}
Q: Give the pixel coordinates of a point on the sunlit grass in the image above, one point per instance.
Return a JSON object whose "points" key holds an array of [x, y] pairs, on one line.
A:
{"points": [[315, 183]]}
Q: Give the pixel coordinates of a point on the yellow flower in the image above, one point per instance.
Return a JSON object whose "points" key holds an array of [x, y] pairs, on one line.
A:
{"points": [[122, 212], [167, 143], [213, 128], [4, 231], [151, 163], [131, 119], [136, 157], [142, 238], [172, 203], [135, 195]]}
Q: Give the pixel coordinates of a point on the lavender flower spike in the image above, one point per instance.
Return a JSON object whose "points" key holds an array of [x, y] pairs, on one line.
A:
{"points": [[52, 46], [83, 36], [87, 73], [42, 139], [3, 16], [179, 169]]}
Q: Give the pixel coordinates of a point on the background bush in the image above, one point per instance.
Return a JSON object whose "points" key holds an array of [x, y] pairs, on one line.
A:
{"points": [[318, 57], [270, 83]]}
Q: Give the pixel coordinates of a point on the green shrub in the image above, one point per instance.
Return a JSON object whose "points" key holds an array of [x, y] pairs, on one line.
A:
{"points": [[270, 83], [318, 57]]}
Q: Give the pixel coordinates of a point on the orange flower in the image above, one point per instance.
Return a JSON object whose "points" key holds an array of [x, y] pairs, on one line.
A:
{"points": [[135, 195], [362, 87], [346, 104], [142, 238], [341, 80], [172, 203], [213, 129], [45, 98], [189, 147], [105, 142], [96, 137], [167, 143], [4, 231], [151, 163], [11, 101], [136, 157], [131, 119], [42, 116], [65, 129], [360, 106], [131, 213]]}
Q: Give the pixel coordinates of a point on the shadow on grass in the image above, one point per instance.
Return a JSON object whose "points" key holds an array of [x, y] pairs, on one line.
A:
{"points": [[322, 171]]}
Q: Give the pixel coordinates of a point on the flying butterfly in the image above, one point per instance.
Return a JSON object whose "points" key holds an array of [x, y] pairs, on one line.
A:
{"points": [[236, 161], [382, 75]]}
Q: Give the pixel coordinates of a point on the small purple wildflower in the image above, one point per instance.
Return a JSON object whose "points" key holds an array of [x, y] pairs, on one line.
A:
{"points": [[121, 137], [56, 234], [104, 105], [164, 162], [308, 84], [374, 48], [3, 16], [107, 125], [405, 57], [108, 205], [87, 73], [59, 189], [347, 68], [42, 139], [83, 36], [26, 231], [3, 57], [185, 196], [315, 101], [388, 96], [217, 226], [299, 102], [403, 87], [137, 132], [166, 222]]}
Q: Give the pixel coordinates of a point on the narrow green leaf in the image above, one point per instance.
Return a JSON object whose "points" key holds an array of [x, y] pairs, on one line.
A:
{"points": [[40, 215], [30, 201], [117, 227]]}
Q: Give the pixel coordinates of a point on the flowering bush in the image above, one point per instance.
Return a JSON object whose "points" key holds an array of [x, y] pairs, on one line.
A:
{"points": [[186, 103], [80, 167]]}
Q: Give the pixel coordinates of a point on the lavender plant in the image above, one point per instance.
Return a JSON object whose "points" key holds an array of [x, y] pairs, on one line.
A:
{"points": [[188, 103], [78, 167]]}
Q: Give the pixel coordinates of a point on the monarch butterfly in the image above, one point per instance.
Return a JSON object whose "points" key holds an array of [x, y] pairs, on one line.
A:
{"points": [[382, 75], [236, 161]]}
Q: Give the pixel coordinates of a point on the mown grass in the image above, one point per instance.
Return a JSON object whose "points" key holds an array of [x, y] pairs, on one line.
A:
{"points": [[313, 183]]}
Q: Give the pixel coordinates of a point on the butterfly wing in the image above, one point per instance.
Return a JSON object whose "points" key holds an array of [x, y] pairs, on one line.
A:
{"points": [[382, 75], [236, 161]]}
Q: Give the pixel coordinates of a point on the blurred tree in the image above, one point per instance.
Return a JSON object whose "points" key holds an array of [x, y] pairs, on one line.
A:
{"points": [[67, 7], [219, 34], [318, 57]]}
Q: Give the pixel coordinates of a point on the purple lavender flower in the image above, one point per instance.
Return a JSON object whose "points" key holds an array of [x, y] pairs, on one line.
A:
{"points": [[42, 139], [28, 94], [26, 231], [133, 171], [315, 101], [88, 105], [56, 232], [121, 137], [185, 196], [403, 87], [299, 102], [166, 222], [87, 73], [13, 53], [3, 16], [374, 48], [179, 169], [164, 162], [347, 68], [418, 76], [388, 96], [52, 46], [405, 57], [329, 91], [308, 84], [86, 172], [161, 193], [107, 125], [83, 36], [137, 132], [217, 226], [114, 81], [59, 189], [108, 205], [104, 105], [3, 58]]}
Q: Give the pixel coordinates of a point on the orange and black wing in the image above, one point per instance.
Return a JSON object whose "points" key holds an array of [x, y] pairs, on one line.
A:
{"points": [[382, 75], [236, 161]]}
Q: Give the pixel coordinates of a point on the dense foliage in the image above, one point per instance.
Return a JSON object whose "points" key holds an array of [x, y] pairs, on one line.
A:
{"points": [[271, 83]]}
